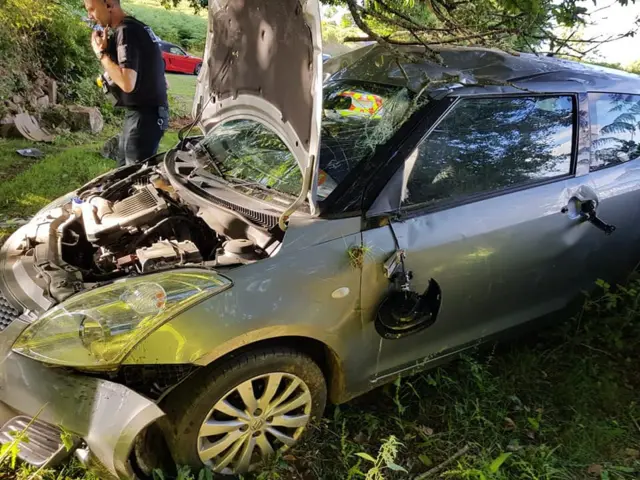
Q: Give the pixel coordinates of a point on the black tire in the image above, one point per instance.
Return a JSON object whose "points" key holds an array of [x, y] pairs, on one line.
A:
{"points": [[188, 406], [197, 69]]}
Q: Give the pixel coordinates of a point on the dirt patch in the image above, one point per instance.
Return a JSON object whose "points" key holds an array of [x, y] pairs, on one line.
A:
{"points": [[178, 123]]}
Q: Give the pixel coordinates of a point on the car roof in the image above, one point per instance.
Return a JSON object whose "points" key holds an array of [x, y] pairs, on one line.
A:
{"points": [[477, 70]]}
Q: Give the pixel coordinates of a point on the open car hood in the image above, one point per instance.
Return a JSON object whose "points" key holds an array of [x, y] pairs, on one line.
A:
{"points": [[263, 62]]}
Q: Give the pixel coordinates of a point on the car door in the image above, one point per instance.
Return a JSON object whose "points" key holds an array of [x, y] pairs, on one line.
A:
{"points": [[615, 175], [179, 59], [167, 57], [482, 215]]}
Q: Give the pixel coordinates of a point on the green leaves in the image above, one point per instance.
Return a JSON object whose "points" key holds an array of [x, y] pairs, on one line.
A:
{"points": [[67, 438], [205, 474], [366, 456], [386, 459], [497, 463], [9, 451], [396, 468]]}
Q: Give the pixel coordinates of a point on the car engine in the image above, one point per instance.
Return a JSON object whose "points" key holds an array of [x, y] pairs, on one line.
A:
{"points": [[127, 222]]}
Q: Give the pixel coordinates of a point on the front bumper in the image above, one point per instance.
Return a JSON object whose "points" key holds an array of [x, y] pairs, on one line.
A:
{"points": [[106, 415]]}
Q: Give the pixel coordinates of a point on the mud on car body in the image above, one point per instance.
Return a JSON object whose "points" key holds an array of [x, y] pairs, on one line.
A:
{"points": [[209, 302]]}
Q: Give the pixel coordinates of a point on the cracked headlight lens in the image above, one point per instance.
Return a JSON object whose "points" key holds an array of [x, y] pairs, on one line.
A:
{"points": [[98, 328]]}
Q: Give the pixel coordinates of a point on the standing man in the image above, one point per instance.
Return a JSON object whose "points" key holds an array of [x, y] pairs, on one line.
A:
{"points": [[134, 63]]}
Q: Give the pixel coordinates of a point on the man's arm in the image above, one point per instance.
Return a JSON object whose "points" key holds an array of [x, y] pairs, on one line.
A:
{"points": [[125, 78], [124, 73]]}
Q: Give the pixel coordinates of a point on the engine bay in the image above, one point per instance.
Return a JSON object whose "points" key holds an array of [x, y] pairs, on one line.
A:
{"points": [[128, 222]]}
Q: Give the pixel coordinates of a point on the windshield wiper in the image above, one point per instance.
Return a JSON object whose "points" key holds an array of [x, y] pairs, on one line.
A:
{"points": [[211, 159], [239, 182]]}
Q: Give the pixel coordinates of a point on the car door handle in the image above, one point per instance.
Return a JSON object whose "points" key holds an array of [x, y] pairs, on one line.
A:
{"points": [[587, 211]]}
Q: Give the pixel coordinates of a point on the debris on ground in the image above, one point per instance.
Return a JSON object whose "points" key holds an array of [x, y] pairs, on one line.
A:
{"points": [[25, 126], [111, 149], [30, 152], [30, 129]]}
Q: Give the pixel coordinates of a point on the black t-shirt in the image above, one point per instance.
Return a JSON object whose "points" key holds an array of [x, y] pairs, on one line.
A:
{"points": [[131, 46]]}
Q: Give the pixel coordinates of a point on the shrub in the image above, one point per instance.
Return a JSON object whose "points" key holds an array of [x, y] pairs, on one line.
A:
{"points": [[63, 47], [44, 38]]}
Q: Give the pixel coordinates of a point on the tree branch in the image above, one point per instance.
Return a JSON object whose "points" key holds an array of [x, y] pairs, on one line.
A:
{"points": [[399, 14]]}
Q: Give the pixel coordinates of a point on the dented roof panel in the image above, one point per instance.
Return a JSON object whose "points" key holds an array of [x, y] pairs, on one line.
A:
{"points": [[476, 67]]}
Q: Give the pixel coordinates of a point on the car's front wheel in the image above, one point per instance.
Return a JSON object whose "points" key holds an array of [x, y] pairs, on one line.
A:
{"points": [[197, 69], [235, 415]]}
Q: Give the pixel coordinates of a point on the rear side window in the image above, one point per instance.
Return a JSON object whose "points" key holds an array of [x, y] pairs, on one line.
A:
{"points": [[491, 144], [615, 127]]}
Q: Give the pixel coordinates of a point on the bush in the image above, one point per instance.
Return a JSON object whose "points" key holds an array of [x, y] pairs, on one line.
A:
{"points": [[63, 46], [40, 38]]}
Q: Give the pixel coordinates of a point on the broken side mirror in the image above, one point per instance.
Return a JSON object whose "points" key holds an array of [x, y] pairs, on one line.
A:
{"points": [[583, 205], [404, 312]]}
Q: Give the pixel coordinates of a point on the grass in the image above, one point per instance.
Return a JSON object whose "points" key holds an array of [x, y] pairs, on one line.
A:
{"points": [[183, 86], [64, 167], [181, 92], [561, 405], [178, 25], [26, 185]]}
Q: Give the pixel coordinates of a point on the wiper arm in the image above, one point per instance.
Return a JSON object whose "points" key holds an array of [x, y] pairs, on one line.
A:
{"points": [[215, 165], [211, 160], [238, 183]]}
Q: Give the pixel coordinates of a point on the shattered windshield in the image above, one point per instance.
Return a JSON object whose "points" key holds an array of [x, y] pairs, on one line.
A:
{"points": [[250, 156], [356, 118]]}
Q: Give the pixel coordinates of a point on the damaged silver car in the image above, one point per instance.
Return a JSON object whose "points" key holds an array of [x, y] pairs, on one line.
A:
{"points": [[332, 226]]}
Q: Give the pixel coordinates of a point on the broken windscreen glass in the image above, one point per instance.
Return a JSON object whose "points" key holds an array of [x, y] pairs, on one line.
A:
{"points": [[250, 156], [357, 117]]}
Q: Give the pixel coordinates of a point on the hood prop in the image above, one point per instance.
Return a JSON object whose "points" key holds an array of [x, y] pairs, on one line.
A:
{"points": [[306, 187]]}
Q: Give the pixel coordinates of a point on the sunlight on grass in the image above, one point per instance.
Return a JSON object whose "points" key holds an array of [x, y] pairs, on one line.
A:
{"points": [[169, 140], [182, 89], [182, 85], [56, 174]]}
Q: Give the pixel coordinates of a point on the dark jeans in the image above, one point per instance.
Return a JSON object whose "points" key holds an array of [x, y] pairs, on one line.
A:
{"points": [[142, 132]]}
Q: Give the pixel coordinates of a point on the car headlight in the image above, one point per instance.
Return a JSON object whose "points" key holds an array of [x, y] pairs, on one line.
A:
{"points": [[98, 328]]}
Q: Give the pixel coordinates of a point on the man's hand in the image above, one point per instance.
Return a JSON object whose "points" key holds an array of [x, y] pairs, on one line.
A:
{"points": [[99, 41]]}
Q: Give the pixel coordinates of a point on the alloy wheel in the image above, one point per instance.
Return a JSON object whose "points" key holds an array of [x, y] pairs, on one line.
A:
{"points": [[253, 420]]}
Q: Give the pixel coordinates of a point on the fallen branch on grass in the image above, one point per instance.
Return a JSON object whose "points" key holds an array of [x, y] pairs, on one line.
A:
{"points": [[439, 468]]}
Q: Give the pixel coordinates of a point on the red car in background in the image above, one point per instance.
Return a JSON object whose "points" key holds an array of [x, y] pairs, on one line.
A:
{"points": [[177, 60]]}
